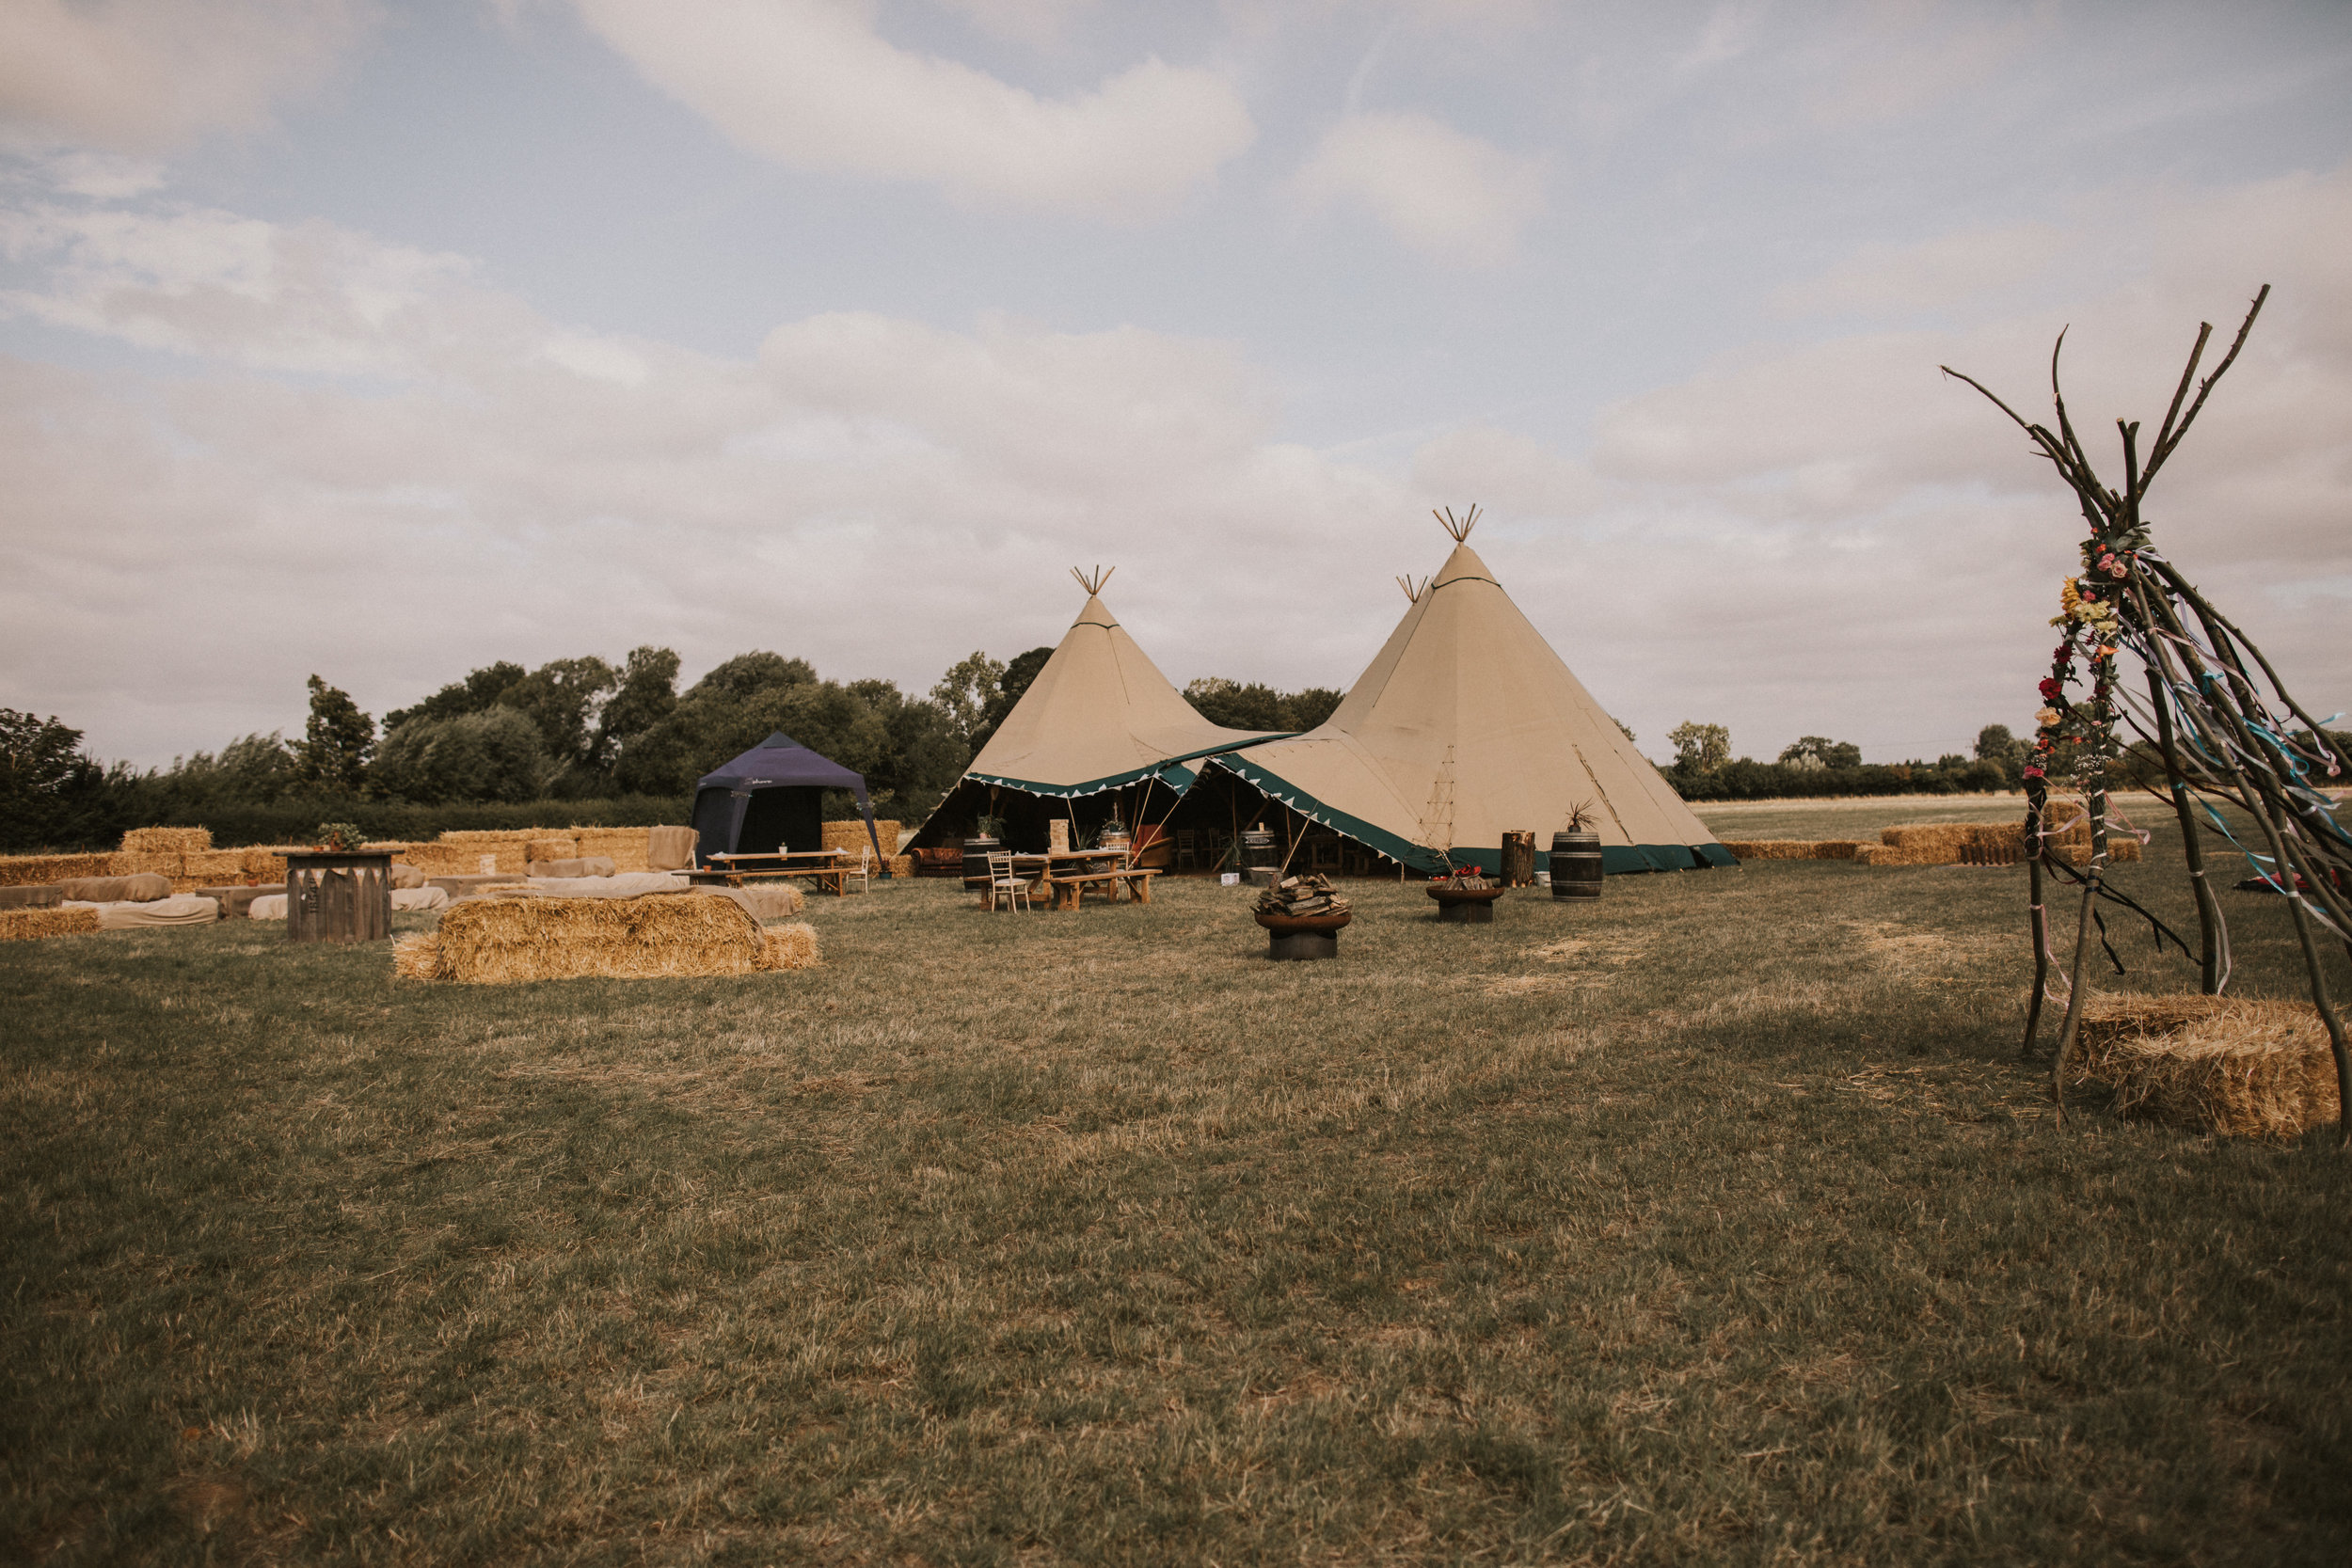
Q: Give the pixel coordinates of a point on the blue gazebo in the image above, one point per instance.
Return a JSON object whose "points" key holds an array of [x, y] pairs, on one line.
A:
{"points": [[772, 798]]}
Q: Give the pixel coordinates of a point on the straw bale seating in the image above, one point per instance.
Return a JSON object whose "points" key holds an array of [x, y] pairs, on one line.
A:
{"points": [[30, 925], [510, 941], [2215, 1064], [48, 895], [167, 841], [37, 870]]}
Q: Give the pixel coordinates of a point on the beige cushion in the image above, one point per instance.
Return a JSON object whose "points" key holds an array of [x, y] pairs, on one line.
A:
{"points": [[41, 895], [144, 888], [669, 849], [128, 916], [406, 876]]}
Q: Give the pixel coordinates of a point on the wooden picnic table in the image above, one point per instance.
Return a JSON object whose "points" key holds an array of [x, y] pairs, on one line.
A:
{"points": [[828, 868], [1068, 873]]}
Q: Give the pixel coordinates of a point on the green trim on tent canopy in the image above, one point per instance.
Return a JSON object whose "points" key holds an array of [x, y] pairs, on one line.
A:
{"points": [[1163, 770], [1615, 859]]}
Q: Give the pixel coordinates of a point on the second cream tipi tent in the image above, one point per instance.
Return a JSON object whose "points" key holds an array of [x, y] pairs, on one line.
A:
{"points": [[1099, 717], [1467, 726]]}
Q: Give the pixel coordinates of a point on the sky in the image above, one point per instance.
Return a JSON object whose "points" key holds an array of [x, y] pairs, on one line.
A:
{"points": [[382, 340]]}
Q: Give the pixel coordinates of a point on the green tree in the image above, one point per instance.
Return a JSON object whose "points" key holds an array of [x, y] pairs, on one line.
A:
{"points": [[728, 711], [42, 766], [337, 742], [1699, 747], [965, 692], [1021, 673], [646, 695], [474, 695], [1995, 744], [562, 697], [1254, 705], [1819, 751], [495, 754]]}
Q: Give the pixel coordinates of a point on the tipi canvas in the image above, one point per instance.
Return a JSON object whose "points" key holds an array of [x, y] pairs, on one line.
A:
{"points": [[1466, 726]]}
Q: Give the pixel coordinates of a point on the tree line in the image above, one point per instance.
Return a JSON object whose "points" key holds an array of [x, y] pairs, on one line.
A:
{"points": [[582, 739]]}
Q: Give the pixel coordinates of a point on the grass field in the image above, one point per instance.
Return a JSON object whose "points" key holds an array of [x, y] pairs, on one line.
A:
{"points": [[1712, 1222]]}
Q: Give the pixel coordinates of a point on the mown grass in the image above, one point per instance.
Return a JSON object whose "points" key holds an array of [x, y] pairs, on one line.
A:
{"points": [[1711, 1222]]}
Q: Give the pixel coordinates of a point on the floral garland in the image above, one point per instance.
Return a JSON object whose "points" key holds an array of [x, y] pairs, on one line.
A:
{"points": [[2091, 612]]}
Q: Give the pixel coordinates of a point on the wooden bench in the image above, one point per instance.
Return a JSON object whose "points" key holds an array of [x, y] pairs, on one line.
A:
{"points": [[1068, 890]]}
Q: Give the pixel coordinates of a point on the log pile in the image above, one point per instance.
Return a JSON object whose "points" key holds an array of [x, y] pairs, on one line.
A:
{"points": [[1301, 896]]}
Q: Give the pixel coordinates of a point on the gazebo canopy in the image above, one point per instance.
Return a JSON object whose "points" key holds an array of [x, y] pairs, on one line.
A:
{"points": [[769, 799]]}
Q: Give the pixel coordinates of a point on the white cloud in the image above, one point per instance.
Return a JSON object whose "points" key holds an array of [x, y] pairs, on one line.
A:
{"points": [[812, 85], [452, 479], [304, 297], [152, 75], [1443, 192]]}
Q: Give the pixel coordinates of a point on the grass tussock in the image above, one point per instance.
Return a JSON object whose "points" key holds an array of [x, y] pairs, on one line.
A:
{"points": [[1709, 1221]]}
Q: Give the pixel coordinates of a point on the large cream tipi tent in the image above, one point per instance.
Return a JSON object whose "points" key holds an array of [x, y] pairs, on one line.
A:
{"points": [[1099, 717], [1468, 726]]}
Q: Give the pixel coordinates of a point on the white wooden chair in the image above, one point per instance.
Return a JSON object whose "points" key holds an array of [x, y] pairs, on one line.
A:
{"points": [[1002, 878], [864, 871]]}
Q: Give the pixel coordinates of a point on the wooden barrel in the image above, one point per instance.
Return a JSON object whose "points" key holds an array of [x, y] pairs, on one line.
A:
{"points": [[1575, 865], [975, 853], [1257, 850]]}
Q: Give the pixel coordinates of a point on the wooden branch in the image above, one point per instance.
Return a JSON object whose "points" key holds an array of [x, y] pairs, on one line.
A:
{"points": [[2205, 388]]}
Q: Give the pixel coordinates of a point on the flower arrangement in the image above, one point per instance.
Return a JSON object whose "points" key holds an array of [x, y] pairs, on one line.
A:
{"points": [[2079, 735]]}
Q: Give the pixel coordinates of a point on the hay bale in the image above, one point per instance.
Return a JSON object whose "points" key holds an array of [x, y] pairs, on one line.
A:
{"points": [[1948, 841], [851, 835], [486, 836], [626, 847], [1793, 848], [37, 870], [1770, 849], [167, 841], [266, 863], [901, 866], [564, 849], [453, 856], [147, 863], [789, 947], [2216, 1063], [220, 866], [1898, 854], [504, 941], [30, 925], [418, 957]]}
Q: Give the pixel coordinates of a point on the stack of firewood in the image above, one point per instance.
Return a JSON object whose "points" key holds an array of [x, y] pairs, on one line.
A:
{"points": [[1302, 895]]}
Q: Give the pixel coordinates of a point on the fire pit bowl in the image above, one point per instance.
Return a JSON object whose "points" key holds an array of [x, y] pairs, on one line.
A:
{"points": [[1303, 935], [1466, 906]]}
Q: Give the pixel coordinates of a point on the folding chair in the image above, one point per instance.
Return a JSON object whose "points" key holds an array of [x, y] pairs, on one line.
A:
{"points": [[1003, 878]]}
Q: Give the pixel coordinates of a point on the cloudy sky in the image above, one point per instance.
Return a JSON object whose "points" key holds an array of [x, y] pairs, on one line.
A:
{"points": [[384, 340]]}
